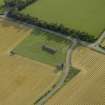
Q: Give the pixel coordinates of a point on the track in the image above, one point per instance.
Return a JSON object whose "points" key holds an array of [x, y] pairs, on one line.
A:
{"points": [[96, 46], [64, 75]]}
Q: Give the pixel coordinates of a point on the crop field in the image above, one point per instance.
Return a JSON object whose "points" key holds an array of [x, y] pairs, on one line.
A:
{"points": [[31, 47], [88, 87], [22, 80], [83, 15], [1, 1]]}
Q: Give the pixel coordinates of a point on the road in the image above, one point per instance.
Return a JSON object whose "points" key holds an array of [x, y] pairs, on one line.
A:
{"points": [[99, 40], [64, 75], [95, 45], [65, 72]]}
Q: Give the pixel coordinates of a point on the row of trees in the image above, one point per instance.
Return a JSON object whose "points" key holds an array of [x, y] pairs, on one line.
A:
{"points": [[16, 5], [19, 4], [51, 26]]}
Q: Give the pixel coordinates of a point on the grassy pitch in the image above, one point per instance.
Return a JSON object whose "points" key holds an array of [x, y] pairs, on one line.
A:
{"points": [[1, 8], [31, 47], [83, 15]]}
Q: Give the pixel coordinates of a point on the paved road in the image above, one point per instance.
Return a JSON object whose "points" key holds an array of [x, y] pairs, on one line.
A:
{"points": [[65, 72], [99, 40], [64, 75], [96, 44]]}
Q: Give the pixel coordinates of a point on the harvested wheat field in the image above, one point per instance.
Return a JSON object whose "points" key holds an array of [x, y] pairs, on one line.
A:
{"points": [[21, 80], [88, 87], [11, 34]]}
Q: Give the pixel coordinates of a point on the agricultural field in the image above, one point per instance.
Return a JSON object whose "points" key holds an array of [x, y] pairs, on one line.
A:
{"points": [[22, 80], [1, 8], [88, 87], [39, 66], [32, 47], [83, 15]]}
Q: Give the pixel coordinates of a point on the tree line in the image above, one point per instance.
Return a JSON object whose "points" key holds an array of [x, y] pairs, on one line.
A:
{"points": [[18, 4], [15, 13]]}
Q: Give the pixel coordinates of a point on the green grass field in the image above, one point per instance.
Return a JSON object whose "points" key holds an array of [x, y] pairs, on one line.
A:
{"points": [[1, 1], [83, 15], [1, 9], [31, 47]]}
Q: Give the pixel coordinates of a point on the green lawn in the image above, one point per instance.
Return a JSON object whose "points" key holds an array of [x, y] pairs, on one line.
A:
{"points": [[83, 15], [72, 72], [1, 1], [31, 47], [1, 9]]}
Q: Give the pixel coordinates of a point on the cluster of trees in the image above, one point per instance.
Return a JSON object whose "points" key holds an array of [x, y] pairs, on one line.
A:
{"points": [[19, 4], [51, 26]]}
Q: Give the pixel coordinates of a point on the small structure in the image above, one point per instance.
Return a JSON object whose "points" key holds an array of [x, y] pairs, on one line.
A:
{"points": [[12, 53], [49, 49], [60, 66]]}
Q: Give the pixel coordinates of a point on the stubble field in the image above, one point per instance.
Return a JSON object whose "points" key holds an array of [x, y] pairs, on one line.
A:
{"points": [[21, 80], [88, 88]]}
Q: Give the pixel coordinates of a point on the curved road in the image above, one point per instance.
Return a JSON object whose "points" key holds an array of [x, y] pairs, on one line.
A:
{"points": [[64, 75], [66, 68], [96, 46]]}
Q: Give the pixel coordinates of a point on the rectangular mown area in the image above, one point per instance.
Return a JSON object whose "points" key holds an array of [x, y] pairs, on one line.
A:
{"points": [[44, 47]]}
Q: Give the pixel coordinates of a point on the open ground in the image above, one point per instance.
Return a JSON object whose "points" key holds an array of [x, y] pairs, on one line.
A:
{"points": [[87, 16], [31, 47], [21, 80], [88, 87]]}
